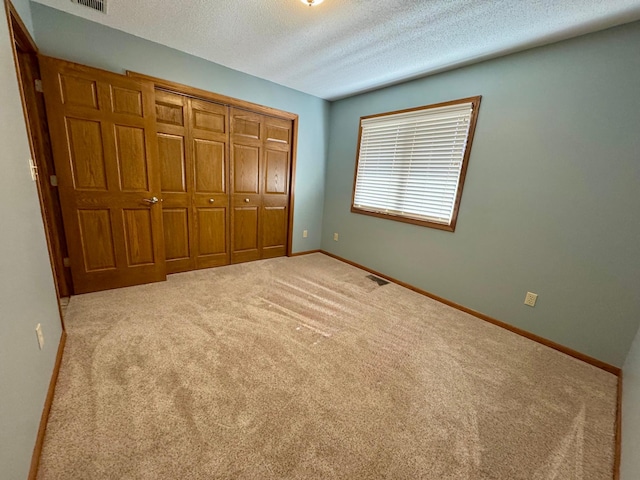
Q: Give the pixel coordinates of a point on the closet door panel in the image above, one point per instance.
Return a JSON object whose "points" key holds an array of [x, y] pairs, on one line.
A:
{"points": [[247, 125], [246, 169], [246, 244], [275, 187], [274, 231], [209, 133], [176, 233], [260, 174], [212, 227], [210, 168], [212, 237], [227, 172], [276, 172], [209, 116], [278, 131], [175, 181], [172, 163], [169, 109], [246, 175]]}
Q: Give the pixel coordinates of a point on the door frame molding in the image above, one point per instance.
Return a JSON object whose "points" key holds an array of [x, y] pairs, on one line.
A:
{"points": [[18, 31], [21, 40], [201, 94]]}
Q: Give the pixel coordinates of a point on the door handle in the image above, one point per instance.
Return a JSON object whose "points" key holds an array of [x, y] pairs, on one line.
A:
{"points": [[246, 200], [151, 201], [211, 200]]}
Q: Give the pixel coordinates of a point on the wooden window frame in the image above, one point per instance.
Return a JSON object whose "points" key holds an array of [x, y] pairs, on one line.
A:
{"points": [[475, 101]]}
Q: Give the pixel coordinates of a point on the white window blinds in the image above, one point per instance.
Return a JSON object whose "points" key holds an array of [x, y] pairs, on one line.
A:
{"points": [[409, 163]]}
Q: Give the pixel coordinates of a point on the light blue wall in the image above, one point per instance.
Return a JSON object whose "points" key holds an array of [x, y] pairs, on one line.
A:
{"points": [[551, 201], [27, 292], [66, 36], [630, 466]]}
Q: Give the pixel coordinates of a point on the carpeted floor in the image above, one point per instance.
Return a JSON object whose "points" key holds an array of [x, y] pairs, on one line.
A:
{"points": [[303, 368]]}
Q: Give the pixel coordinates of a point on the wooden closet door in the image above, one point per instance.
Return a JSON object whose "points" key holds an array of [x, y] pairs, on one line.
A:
{"points": [[275, 186], [102, 129], [209, 136], [193, 149], [260, 178], [176, 178], [247, 133]]}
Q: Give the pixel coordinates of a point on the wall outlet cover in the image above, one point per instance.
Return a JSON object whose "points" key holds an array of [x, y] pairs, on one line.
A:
{"points": [[530, 299]]}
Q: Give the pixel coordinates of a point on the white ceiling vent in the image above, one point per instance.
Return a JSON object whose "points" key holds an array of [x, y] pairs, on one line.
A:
{"points": [[98, 5]]}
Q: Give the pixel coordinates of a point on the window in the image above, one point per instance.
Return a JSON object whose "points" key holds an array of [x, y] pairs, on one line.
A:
{"points": [[411, 164]]}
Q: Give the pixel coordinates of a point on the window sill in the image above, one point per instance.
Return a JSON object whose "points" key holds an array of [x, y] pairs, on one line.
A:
{"points": [[413, 221]]}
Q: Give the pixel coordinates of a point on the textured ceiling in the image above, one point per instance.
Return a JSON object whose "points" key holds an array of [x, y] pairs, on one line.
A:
{"points": [[343, 47]]}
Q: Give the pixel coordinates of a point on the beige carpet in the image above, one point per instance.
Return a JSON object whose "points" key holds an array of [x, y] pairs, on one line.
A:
{"points": [[302, 368]]}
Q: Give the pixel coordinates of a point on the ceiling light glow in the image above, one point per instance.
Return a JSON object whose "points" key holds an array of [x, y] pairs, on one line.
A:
{"points": [[312, 3]]}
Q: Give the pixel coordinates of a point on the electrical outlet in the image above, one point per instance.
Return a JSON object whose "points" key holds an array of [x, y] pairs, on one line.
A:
{"points": [[335, 237], [305, 233], [530, 299], [40, 336]]}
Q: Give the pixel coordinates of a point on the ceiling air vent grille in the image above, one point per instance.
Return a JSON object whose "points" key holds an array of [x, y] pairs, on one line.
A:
{"points": [[98, 5]]}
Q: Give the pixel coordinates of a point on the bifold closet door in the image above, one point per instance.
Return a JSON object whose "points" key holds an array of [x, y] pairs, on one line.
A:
{"points": [[260, 178], [175, 178], [193, 149], [209, 137], [103, 129]]}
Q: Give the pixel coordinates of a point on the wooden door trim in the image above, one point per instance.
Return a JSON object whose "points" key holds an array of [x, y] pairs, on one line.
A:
{"points": [[199, 94], [22, 40], [212, 97], [18, 30], [292, 181]]}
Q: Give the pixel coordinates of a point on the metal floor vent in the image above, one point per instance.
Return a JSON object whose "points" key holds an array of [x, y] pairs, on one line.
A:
{"points": [[379, 281], [98, 5]]}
